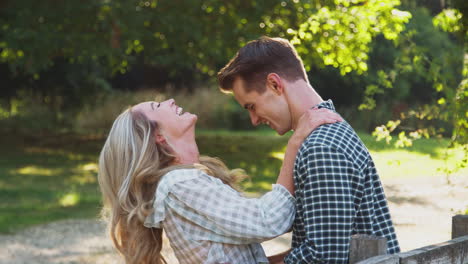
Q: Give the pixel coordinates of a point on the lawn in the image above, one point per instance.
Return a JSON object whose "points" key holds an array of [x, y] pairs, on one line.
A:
{"points": [[43, 179]]}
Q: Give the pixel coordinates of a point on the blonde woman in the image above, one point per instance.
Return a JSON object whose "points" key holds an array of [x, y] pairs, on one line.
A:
{"points": [[152, 178]]}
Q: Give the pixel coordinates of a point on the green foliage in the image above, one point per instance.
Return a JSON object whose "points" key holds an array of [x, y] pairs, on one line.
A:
{"points": [[432, 75], [114, 33], [449, 20], [340, 34], [29, 115], [65, 52]]}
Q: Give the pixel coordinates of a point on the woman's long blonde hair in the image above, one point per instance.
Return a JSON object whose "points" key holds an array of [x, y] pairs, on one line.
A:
{"points": [[130, 167]]}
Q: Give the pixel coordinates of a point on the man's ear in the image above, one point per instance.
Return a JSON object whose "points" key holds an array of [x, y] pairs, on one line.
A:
{"points": [[275, 83]]}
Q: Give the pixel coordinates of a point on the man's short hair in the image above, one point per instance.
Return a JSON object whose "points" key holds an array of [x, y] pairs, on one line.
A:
{"points": [[257, 59]]}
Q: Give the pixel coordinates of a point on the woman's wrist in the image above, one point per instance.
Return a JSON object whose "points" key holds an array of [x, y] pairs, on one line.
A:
{"points": [[295, 141]]}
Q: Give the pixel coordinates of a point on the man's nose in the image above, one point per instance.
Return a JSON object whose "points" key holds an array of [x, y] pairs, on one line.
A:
{"points": [[254, 118]]}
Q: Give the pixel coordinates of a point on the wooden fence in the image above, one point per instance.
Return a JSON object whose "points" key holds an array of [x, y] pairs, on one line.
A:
{"points": [[366, 249]]}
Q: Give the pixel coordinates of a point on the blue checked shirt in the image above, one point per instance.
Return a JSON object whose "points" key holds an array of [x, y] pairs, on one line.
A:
{"points": [[338, 194], [207, 221]]}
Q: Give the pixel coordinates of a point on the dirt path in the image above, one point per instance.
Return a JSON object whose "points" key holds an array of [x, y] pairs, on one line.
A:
{"points": [[421, 209]]}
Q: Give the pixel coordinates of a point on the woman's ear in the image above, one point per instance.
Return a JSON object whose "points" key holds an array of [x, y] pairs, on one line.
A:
{"points": [[160, 139], [275, 83]]}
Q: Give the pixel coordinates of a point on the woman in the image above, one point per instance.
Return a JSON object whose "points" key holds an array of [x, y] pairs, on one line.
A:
{"points": [[152, 177]]}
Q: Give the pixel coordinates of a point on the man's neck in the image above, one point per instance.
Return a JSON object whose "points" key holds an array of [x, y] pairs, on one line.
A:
{"points": [[301, 97]]}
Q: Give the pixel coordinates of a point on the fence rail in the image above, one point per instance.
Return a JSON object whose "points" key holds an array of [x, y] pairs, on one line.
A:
{"points": [[369, 250]]}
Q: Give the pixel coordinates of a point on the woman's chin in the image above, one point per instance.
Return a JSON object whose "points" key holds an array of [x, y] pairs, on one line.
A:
{"points": [[195, 118]]}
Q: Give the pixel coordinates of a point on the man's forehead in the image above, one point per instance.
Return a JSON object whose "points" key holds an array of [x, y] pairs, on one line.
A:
{"points": [[242, 97], [241, 90], [238, 85]]}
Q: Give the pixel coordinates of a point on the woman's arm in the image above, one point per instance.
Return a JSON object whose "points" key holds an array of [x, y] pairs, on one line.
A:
{"points": [[223, 214], [309, 121]]}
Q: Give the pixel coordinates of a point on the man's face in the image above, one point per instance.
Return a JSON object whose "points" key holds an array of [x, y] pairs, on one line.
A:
{"points": [[270, 107]]}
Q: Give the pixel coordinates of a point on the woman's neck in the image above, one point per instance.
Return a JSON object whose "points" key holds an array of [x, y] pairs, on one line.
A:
{"points": [[186, 150]]}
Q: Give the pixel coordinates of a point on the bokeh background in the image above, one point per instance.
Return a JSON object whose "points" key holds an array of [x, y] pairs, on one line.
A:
{"points": [[396, 70]]}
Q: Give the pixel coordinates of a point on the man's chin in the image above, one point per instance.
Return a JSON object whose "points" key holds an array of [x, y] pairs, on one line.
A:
{"points": [[280, 132]]}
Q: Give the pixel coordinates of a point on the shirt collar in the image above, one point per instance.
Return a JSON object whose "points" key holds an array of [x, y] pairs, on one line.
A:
{"points": [[328, 104]]}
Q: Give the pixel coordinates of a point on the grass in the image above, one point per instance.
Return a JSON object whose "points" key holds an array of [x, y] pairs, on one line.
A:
{"points": [[43, 179], [427, 157]]}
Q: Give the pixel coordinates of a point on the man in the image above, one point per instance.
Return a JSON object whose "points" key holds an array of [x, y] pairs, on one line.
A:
{"points": [[338, 191]]}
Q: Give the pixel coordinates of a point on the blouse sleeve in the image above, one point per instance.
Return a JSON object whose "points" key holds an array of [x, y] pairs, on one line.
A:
{"points": [[225, 215]]}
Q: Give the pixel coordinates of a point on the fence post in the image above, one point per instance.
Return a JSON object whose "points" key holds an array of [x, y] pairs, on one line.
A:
{"points": [[365, 246], [459, 226]]}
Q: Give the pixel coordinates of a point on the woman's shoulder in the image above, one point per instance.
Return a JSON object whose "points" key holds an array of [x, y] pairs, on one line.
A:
{"points": [[177, 175], [185, 175], [181, 176], [177, 182], [165, 186]]}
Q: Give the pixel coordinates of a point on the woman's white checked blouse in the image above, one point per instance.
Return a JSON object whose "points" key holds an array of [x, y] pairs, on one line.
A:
{"points": [[207, 221]]}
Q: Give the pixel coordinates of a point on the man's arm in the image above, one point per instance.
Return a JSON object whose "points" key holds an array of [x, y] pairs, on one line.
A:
{"points": [[328, 182]]}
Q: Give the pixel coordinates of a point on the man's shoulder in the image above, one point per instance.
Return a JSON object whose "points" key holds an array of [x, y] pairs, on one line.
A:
{"points": [[332, 135], [339, 137]]}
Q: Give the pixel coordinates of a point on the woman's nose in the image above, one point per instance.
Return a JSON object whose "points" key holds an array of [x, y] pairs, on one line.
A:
{"points": [[171, 102]]}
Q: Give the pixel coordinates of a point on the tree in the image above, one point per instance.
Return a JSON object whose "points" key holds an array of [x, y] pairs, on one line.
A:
{"points": [[88, 42], [98, 39], [435, 65]]}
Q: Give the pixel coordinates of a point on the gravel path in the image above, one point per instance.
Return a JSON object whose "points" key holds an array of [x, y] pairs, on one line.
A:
{"points": [[421, 209]]}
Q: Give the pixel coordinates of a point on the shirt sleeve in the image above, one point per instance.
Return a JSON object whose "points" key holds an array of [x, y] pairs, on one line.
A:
{"points": [[328, 206], [227, 216]]}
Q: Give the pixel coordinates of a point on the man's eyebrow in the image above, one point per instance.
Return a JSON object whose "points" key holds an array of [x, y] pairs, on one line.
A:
{"points": [[152, 107]]}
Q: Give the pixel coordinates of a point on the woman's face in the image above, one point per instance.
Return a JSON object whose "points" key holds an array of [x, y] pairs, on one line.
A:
{"points": [[172, 121]]}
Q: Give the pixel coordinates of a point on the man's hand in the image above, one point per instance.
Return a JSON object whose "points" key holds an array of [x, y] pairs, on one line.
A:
{"points": [[278, 258]]}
